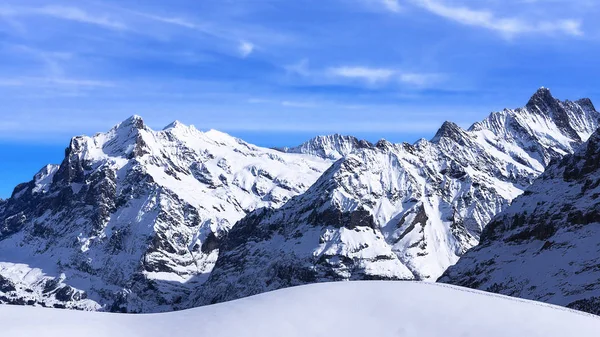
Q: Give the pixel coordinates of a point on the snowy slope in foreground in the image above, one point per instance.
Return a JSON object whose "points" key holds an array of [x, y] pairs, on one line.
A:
{"points": [[333, 309]]}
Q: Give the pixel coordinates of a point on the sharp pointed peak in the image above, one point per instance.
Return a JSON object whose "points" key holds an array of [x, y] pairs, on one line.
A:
{"points": [[543, 90], [174, 124], [134, 122], [542, 96], [383, 144], [332, 136], [447, 130], [221, 136], [134, 117]]}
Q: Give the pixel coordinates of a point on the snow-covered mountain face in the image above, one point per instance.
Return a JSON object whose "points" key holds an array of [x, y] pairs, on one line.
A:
{"points": [[399, 211], [133, 218], [546, 245], [331, 147], [139, 220]]}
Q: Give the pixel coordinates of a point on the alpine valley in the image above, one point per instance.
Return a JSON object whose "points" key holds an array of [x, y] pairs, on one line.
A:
{"points": [[136, 220]]}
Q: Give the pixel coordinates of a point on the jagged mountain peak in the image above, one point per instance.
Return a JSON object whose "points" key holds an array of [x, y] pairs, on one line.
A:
{"points": [[174, 124], [394, 211], [134, 217], [448, 130], [541, 100], [133, 122], [383, 144], [545, 246], [331, 147], [586, 103]]}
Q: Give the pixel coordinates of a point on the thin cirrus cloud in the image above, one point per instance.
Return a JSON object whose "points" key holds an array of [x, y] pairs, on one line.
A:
{"points": [[76, 14], [484, 18], [64, 13], [51, 82], [384, 75], [284, 103], [391, 5], [371, 75], [245, 48]]}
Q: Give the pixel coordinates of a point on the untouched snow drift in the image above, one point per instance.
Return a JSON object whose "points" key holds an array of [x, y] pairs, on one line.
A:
{"points": [[348, 309]]}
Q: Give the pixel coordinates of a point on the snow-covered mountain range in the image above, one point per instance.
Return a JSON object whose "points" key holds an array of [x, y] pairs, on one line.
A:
{"points": [[132, 218], [331, 147], [546, 245], [142, 221], [399, 211]]}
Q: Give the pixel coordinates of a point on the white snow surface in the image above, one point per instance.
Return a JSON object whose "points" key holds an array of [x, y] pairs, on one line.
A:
{"points": [[348, 309], [332, 147]]}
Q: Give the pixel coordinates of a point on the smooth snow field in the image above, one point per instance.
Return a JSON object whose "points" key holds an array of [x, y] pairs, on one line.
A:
{"points": [[360, 309]]}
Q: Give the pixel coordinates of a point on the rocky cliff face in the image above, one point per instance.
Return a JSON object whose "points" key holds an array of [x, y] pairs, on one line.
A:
{"points": [[132, 219], [399, 211], [545, 246]]}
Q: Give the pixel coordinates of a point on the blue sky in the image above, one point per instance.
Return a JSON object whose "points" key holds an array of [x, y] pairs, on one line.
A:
{"points": [[277, 72]]}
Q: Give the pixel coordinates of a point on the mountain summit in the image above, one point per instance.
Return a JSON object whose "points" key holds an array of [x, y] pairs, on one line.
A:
{"points": [[132, 219], [400, 211], [545, 246], [329, 147]]}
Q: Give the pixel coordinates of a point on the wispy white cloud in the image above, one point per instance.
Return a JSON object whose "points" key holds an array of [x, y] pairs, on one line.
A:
{"points": [[391, 5], [54, 81], [176, 21], [168, 19], [508, 26], [260, 100], [385, 75], [245, 48], [64, 13], [301, 68], [76, 14], [298, 104], [285, 103], [51, 60], [420, 79], [385, 5], [371, 75], [11, 82]]}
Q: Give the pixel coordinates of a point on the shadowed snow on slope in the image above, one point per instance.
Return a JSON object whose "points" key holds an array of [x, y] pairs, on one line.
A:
{"points": [[349, 309], [329, 147], [545, 246]]}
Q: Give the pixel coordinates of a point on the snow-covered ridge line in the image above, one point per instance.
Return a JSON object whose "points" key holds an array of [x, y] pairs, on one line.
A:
{"points": [[398, 211], [331, 147], [140, 220], [132, 218], [545, 245]]}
